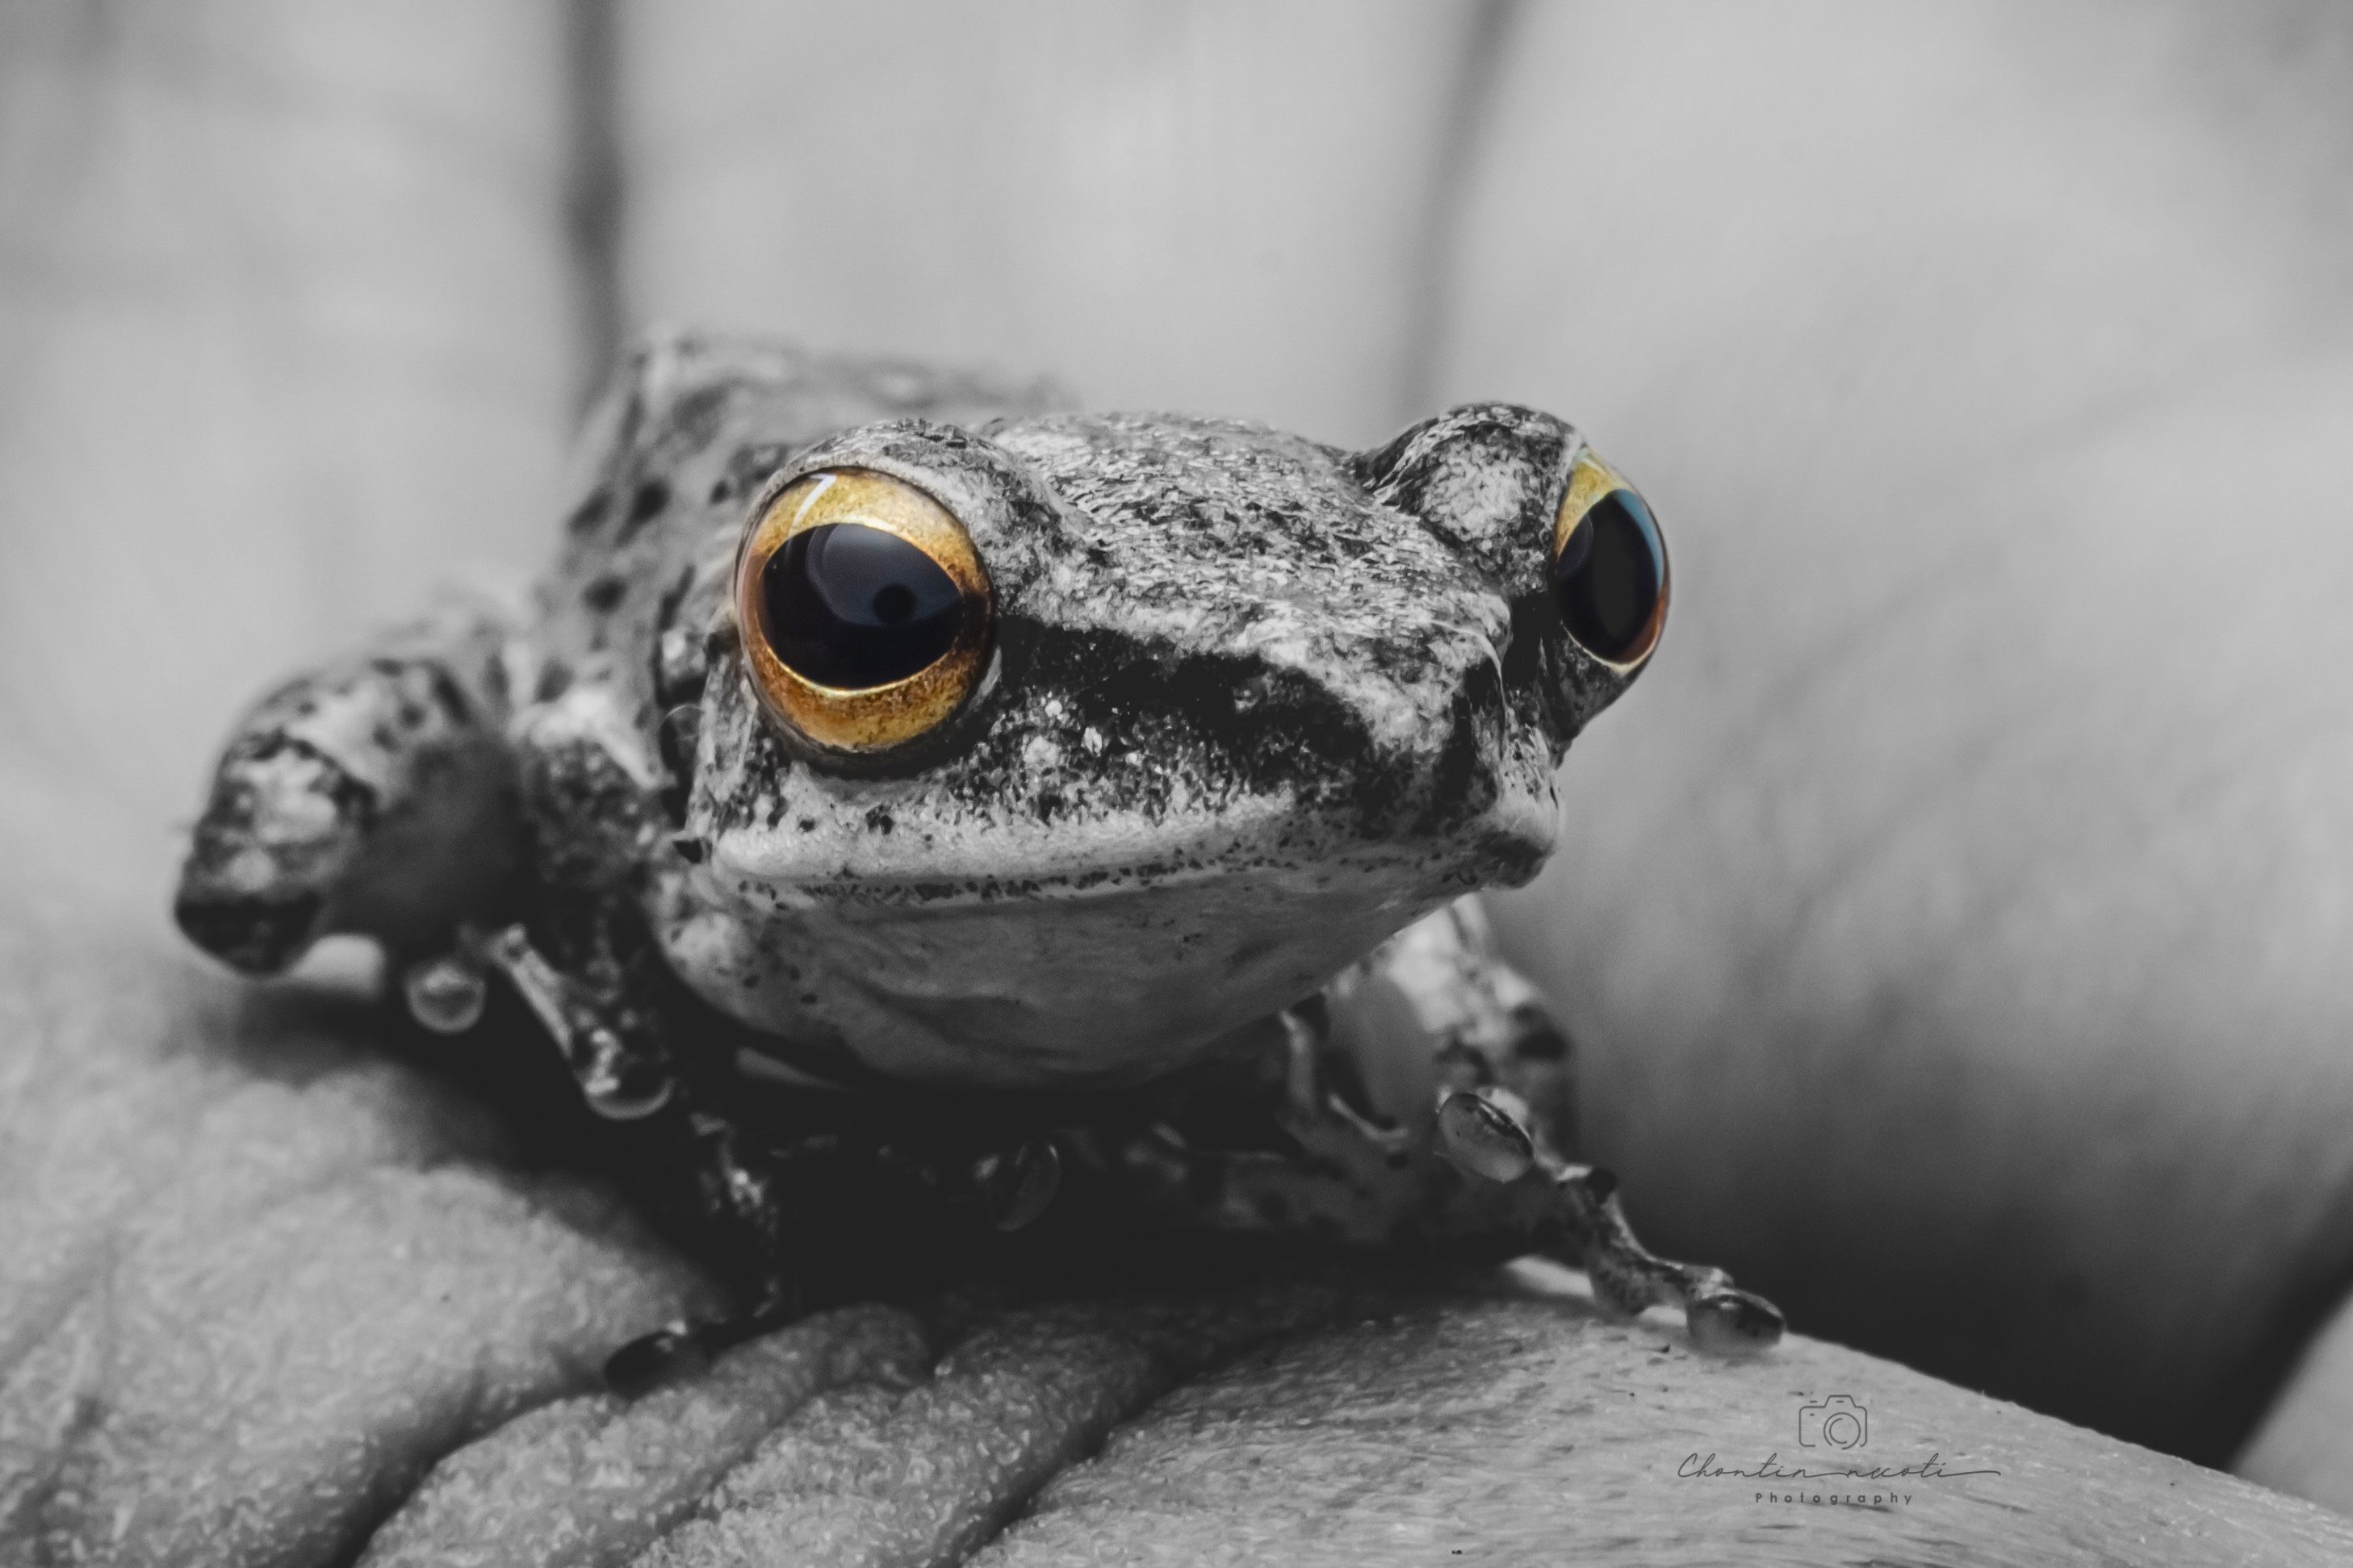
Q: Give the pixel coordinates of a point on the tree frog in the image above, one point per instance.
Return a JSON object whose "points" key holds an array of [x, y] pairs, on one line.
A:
{"points": [[898, 784]]}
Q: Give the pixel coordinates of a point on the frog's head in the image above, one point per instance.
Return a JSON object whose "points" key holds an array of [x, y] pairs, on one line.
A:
{"points": [[1059, 748]]}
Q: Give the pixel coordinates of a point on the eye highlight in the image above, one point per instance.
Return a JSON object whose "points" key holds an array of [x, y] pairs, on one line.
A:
{"points": [[1608, 565], [865, 611]]}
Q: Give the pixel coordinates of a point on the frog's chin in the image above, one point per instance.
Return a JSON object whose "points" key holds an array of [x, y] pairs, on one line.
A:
{"points": [[1107, 983]]}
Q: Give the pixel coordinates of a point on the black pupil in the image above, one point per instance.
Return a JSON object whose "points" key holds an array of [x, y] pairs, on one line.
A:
{"points": [[1611, 570], [851, 607]]}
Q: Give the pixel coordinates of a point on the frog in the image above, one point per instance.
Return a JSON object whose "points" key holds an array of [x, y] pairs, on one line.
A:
{"points": [[902, 782]]}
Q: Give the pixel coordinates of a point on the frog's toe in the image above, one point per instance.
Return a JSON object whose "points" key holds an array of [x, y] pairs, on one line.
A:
{"points": [[252, 934], [1489, 1133], [1722, 1319], [619, 1080], [447, 993], [1732, 1321], [1588, 1231], [1017, 1187], [668, 1355]]}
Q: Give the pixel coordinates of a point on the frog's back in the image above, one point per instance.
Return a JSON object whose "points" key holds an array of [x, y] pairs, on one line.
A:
{"points": [[677, 449]]}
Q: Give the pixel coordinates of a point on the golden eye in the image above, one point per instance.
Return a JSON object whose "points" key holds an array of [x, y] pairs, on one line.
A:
{"points": [[1608, 565], [865, 608]]}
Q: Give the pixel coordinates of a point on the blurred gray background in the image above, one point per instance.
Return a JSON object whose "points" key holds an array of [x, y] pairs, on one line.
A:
{"points": [[1956, 920]]}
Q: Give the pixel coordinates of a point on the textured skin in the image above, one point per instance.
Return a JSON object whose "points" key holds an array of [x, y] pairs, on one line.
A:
{"points": [[592, 1481], [1252, 705], [254, 1276], [885, 1477], [146, 1108], [1248, 713], [1514, 1432], [330, 1294]]}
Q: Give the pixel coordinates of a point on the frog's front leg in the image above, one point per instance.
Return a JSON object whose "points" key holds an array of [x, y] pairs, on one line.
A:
{"points": [[613, 1055], [1504, 1105], [1491, 1133], [1428, 1092], [738, 1201], [590, 789], [1350, 1080], [375, 794], [797, 1217]]}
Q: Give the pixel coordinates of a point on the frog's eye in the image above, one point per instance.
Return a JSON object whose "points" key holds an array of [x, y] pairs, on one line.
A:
{"points": [[865, 608], [1608, 565]]}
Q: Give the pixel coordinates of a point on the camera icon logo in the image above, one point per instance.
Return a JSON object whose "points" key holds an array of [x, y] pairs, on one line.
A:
{"points": [[1834, 1421]]}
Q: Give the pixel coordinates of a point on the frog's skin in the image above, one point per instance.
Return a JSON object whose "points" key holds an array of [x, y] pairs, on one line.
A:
{"points": [[1177, 905]]}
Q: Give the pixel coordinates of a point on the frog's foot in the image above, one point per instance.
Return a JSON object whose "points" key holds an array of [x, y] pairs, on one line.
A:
{"points": [[1016, 1186], [447, 992], [1363, 1179], [679, 1351], [621, 1081], [743, 1200], [735, 1193], [1351, 1179], [1489, 1134], [1250, 1192]]}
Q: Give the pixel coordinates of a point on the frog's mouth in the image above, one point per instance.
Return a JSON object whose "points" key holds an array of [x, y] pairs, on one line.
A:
{"points": [[1268, 847], [1093, 992], [1472, 805]]}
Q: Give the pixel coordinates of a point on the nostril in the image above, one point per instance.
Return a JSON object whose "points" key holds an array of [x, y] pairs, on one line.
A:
{"points": [[1483, 689], [1465, 775], [1482, 713]]}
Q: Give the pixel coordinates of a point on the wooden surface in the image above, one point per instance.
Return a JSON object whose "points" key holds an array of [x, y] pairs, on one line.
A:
{"points": [[1953, 921]]}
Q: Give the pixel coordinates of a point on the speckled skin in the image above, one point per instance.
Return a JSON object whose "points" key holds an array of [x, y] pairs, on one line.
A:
{"points": [[1255, 706], [1247, 719]]}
